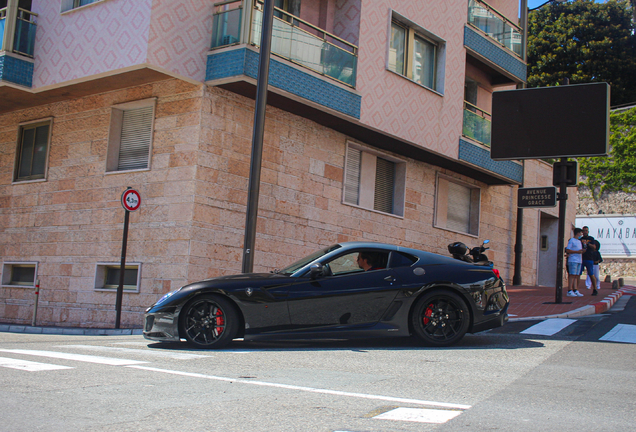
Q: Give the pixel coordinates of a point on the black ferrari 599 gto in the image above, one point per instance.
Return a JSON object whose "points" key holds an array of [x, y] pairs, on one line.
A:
{"points": [[396, 291]]}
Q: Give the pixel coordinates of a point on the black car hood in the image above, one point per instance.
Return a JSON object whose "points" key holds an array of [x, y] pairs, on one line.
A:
{"points": [[232, 282]]}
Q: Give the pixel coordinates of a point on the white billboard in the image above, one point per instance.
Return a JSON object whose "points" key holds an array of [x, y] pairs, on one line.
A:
{"points": [[617, 234]]}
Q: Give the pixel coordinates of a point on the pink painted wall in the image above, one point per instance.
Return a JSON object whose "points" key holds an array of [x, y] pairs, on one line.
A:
{"points": [[346, 21], [393, 103], [115, 34]]}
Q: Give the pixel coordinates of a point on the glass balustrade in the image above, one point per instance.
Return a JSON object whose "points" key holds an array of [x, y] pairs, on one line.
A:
{"points": [[309, 46], [3, 16], [25, 26], [495, 25], [226, 26], [476, 124]]}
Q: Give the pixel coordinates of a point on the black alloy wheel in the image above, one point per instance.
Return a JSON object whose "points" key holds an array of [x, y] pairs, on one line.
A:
{"points": [[209, 321], [440, 318]]}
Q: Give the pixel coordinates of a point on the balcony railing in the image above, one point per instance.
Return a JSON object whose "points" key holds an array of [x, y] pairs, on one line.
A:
{"points": [[476, 124], [308, 45], [24, 36], [494, 24], [226, 23], [3, 19], [25, 26]]}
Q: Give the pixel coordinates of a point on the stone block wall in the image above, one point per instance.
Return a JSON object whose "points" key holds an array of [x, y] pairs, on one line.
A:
{"points": [[191, 222]]}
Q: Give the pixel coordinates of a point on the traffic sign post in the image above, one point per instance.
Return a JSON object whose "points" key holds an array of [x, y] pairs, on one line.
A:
{"points": [[130, 201]]}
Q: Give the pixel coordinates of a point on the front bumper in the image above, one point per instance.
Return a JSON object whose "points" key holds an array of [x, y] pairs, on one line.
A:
{"points": [[161, 326]]}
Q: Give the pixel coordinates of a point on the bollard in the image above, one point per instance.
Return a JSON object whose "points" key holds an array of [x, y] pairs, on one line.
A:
{"points": [[621, 282], [615, 284], [35, 306]]}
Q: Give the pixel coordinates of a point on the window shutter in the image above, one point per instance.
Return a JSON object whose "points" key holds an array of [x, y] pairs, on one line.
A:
{"points": [[136, 134], [458, 217], [384, 185], [352, 176]]}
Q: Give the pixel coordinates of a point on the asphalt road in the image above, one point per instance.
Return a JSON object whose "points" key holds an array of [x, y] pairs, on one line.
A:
{"points": [[497, 380]]}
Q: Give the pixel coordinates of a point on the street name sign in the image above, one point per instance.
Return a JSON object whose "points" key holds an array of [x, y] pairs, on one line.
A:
{"points": [[537, 197]]}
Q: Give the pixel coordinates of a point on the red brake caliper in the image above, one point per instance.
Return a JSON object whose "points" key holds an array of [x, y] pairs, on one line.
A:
{"points": [[427, 314], [219, 321]]}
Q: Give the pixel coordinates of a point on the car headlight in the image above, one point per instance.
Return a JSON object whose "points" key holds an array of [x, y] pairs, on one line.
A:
{"points": [[167, 296]]}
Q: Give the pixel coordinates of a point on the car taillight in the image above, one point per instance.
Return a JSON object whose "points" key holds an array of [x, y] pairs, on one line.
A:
{"points": [[496, 272]]}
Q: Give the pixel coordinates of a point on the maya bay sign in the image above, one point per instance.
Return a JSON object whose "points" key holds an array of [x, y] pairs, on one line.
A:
{"points": [[617, 234]]}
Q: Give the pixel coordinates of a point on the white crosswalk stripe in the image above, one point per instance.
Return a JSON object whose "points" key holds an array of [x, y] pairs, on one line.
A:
{"points": [[144, 352], [29, 366], [549, 327], [625, 333], [76, 357], [420, 415]]}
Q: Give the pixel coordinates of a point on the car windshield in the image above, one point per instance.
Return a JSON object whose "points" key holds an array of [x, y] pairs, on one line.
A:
{"points": [[309, 258]]}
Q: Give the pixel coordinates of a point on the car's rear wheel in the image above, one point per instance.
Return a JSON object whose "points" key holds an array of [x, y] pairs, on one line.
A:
{"points": [[209, 322], [440, 318]]}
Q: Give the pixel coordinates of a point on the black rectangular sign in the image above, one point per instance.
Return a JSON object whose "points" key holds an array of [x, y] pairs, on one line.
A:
{"points": [[550, 122], [537, 197]]}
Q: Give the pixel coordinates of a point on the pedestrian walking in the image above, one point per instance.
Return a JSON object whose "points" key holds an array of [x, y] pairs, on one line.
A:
{"points": [[575, 250]]}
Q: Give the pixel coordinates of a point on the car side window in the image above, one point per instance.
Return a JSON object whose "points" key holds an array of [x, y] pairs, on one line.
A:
{"points": [[400, 259], [348, 263], [345, 264]]}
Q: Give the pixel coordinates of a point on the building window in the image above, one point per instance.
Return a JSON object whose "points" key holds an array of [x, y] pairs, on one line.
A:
{"points": [[33, 150], [374, 181], [19, 274], [130, 137], [107, 276], [457, 206], [416, 54], [74, 4]]}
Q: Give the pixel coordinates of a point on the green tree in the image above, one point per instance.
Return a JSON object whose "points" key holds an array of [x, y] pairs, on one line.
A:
{"points": [[617, 172], [585, 42]]}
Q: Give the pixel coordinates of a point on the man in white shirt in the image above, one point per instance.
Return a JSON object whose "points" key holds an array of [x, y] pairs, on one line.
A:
{"points": [[575, 249]]}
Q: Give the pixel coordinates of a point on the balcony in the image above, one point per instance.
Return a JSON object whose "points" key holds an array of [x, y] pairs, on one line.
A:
{"points": [[293, 39], [24, 33], [476, 124], [495, 25], [17, 45], [307, 61]]}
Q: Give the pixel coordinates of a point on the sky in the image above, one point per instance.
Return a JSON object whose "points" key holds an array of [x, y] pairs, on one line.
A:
{"points": [[535, 3]]}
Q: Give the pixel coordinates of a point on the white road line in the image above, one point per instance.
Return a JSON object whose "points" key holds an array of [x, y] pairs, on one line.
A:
{"points": [[621, 333], [419, 415], [145, 352], [29, 366], [306, 389], [549, 327], [76, 357]]}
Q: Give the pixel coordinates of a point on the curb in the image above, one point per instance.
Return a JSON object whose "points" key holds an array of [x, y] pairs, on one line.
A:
{"points": [[13, 328], [592, 309]]}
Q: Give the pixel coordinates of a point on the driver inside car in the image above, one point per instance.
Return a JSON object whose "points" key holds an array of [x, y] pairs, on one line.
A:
{"points": [[368, 261]]}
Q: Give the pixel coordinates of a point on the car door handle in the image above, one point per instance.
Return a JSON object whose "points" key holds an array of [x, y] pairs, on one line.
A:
{"points": [[389, 279]]}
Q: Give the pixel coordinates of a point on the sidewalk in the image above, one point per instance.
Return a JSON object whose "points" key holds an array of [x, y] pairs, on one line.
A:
{"points": [[529, 302]]}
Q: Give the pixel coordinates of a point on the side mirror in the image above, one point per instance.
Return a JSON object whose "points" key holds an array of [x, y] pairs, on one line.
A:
{"points": [[315, 270]]}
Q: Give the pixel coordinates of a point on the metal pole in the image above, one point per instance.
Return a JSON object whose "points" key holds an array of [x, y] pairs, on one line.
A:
{"points": [[562, 198], [122, 269], [35, 306], [257, 138], [516, 279]]}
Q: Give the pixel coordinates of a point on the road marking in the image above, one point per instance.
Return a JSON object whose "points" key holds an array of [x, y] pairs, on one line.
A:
{"points": [[29, 366], [146, 352], [621, 333], [549, 327], [76, 357], [419, 415], [306, 389]]}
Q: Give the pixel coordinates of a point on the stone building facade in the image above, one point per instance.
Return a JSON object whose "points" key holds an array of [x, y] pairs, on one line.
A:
{"points": [[63, 226]]}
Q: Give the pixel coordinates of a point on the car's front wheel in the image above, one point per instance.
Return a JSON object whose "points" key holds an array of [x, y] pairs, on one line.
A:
{"points": [[440, 318], [209, 322]]}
